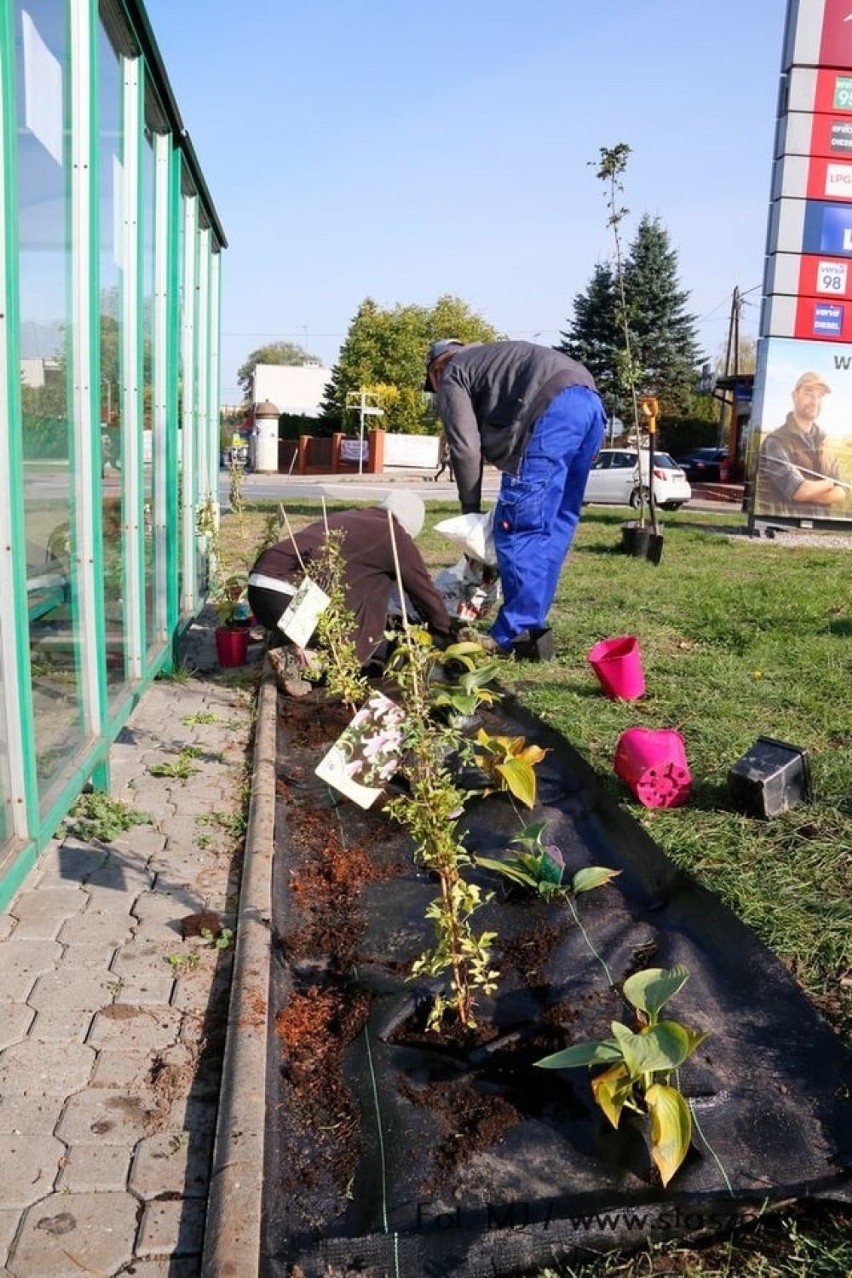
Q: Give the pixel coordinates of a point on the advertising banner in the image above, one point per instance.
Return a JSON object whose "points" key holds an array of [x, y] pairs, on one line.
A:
{"points": [[800, 445], [818, 33], [800, 441]]}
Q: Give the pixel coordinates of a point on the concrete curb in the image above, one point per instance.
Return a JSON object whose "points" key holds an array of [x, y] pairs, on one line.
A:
{"points": [[232, 1233]]}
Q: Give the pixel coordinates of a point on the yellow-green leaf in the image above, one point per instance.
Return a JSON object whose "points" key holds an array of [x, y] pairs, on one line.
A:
{"points": [[611, 1089], [592, 876], [671, 1128], [520, 780]]}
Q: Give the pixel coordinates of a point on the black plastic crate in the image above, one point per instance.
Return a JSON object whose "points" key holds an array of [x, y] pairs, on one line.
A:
{"points": [[770, 778]]}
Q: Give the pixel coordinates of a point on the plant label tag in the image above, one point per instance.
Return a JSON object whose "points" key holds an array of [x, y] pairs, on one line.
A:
{"points": [[366, 753], [552, 865], [299, 619]]}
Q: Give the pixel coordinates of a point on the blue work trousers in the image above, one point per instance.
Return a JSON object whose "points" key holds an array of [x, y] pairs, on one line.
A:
{"points": [[538, 509]]}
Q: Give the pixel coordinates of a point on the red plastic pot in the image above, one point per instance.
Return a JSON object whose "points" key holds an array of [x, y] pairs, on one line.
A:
{"points": [[232, 646]]}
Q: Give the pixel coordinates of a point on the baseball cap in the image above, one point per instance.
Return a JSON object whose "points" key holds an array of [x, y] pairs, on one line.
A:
{"points": [[812, 379], [407, 508], [436, 350]]}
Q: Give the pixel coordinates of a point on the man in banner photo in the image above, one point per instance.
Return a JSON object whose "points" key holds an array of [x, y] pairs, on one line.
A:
{"points": [[797, 474]]}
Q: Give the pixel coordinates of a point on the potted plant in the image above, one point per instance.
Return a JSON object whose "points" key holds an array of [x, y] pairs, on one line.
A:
{"points": [[232, 634], [227, 585]]}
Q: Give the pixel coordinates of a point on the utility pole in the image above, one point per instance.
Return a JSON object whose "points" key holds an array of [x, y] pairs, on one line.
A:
{"points": [[727, 428]]}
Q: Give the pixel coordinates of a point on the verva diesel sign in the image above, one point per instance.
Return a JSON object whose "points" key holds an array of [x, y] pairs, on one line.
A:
{"points": [[823, 319]]}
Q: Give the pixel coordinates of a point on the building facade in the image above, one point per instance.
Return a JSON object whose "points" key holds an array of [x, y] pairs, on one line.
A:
{"points": [[293, 388], [110, 253]]}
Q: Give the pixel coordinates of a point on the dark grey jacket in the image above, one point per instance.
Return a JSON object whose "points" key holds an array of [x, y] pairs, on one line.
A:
{"points": [[491, 395]]}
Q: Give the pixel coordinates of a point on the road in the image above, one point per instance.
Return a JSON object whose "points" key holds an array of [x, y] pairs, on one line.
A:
{"points": [[374, 487]]}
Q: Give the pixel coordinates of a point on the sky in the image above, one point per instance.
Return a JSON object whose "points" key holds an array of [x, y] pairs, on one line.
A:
{"points": [[401, 151]]}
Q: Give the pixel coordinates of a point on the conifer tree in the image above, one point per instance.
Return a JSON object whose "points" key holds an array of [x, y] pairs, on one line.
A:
{"points": [[593, 336], [664, 350], [663, 335]]}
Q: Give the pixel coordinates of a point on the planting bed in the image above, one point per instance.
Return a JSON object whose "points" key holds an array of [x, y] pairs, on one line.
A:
{"points": [[391, 1150]]}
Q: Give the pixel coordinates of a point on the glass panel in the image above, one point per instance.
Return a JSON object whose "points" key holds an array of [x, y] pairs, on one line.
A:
{"points": [[44, 179], [5, 787], [150, 517], [202, 381], [110, 192]]}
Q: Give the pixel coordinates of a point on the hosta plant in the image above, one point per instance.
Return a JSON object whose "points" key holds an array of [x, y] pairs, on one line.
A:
{"points": [[510, 764], [540, 866], [640, 1064], [458, 680]]}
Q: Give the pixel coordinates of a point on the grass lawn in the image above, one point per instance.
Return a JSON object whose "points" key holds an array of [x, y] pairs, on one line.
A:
{"points": [[740, 637]]}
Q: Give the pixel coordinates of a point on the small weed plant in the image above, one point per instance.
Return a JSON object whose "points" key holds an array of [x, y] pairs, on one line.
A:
{"points": [[233, 823], [97, 816], [180, 961], [183, 768], [180, 673], [640, 1065], [222, 940]]}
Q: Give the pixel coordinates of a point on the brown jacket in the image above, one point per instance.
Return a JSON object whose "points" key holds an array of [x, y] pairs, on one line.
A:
{"points": [[369, 574]]}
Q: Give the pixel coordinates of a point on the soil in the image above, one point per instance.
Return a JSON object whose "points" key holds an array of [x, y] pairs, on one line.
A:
{"points": [[371, 1115]]}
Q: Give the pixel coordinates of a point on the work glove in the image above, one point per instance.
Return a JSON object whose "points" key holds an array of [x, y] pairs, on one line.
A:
{"points": [[441, 638]]}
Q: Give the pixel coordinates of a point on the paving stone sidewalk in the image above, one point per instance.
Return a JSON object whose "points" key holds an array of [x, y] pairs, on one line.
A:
{"points": [[114, 997]]}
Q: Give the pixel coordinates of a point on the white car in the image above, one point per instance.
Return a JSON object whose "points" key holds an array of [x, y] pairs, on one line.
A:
{"points": [[614, 479]]}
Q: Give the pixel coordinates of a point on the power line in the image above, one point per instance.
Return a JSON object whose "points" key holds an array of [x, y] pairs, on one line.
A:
{"points": [[726, 302], [279, 334]]}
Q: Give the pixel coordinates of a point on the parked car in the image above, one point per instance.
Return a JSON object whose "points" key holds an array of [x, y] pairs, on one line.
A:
{"points": [[704, 465], [614, 479], [236, 456]]}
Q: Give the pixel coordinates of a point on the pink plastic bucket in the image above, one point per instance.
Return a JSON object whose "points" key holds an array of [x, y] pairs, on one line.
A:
{"points": [[618, 665], [653, 763]]}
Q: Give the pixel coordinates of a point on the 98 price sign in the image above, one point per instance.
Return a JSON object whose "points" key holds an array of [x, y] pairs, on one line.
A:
{"points": [[831, 278]]}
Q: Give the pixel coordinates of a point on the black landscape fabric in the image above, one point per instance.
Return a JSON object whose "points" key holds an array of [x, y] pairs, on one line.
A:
{"points": [[464, 1159]]}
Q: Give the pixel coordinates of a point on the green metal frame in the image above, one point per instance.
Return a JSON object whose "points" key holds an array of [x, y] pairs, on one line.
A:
{"points": [[23, 802], [178, 243]]}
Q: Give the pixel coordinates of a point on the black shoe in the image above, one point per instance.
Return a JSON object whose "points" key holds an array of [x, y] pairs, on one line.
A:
{"points": [[534, 645]]}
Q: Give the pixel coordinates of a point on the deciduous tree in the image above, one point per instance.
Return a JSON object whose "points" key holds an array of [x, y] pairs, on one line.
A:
{"points": [[383, 354]]}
